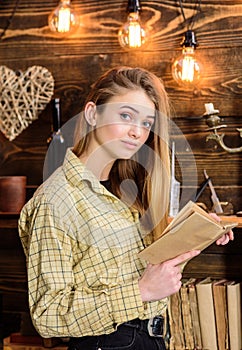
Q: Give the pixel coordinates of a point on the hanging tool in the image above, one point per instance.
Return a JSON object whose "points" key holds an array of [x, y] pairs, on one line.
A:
{"points": [[201, 189], [216, 203]]}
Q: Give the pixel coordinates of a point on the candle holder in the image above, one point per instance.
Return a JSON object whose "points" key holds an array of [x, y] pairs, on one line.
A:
{"points": [[213, 121]]}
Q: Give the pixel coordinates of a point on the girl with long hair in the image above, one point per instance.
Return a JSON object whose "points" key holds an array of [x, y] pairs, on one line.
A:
{"points": [[85, 224]]}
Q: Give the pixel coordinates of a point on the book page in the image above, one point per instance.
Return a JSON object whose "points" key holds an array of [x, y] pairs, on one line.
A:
{"points": [[187, 211], [193, 229]]}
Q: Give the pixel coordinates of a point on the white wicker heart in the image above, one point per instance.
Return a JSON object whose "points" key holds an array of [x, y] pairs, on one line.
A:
{"points": [[23, 96]]}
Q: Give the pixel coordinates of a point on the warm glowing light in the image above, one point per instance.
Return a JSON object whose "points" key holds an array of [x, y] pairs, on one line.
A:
{"points": [[186, 69], [63, 19], [188, 66], [132, 35], [135, 39]]}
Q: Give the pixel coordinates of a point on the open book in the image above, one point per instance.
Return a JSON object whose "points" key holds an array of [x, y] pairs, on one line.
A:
{"points": [[192, 228]]}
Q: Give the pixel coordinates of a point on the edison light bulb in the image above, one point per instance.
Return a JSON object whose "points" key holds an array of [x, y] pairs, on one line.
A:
{"points": [[132, 35], [63, 19], [186, 69]]}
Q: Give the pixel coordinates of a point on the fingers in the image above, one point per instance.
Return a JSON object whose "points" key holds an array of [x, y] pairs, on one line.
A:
{"points": [[229, 236], [177, 278], [215, 216], [223, 240], [162, 280], [184, 257]]}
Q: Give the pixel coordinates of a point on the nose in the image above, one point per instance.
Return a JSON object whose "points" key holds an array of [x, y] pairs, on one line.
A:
{"points": [[135, 131]]}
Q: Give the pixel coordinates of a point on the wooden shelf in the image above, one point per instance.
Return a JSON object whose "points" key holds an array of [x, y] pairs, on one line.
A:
{"points": [[232, 218], [16, 341]]}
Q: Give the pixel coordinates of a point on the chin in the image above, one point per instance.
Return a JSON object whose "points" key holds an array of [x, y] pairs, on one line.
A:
{"points": [[126, 157], [123, 155]]}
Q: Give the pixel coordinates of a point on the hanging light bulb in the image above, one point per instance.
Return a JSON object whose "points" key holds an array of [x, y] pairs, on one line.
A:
{"points": [[186, 69], [63, 19], [132, 35]]}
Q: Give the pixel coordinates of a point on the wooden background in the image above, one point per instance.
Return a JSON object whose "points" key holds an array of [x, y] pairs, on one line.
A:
{"points": [[77, 60]]}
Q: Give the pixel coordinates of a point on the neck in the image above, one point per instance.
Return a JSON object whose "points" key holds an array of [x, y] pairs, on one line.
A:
{"points": [[98, 165]]}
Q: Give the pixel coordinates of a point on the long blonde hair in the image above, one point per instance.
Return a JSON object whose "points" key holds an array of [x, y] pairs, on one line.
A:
{"points": [[149, 168]]}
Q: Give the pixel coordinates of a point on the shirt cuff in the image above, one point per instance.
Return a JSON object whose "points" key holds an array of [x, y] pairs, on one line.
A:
{"points": [[126, 303]]}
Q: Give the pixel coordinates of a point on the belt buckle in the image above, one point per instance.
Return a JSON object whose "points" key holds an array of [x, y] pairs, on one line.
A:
{"points": [[155, 326]]}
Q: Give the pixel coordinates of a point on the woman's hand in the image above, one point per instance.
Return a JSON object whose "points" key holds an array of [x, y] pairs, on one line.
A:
{"points": [[229, 236], [162, 280]]}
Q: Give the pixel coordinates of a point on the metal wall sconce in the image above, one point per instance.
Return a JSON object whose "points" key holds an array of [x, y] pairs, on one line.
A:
{"points": [[213, 122]]}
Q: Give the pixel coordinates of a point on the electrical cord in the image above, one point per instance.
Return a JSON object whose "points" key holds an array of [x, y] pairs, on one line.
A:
{"points": [[197, 9], [10, 19]]}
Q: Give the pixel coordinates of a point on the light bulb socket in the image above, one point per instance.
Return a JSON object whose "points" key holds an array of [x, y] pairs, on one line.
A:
{"points": [[189, 39], [133, 6]]}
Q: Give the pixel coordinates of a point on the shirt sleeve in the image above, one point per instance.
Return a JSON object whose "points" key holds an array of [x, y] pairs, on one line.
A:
{"points": [[59, 306]]}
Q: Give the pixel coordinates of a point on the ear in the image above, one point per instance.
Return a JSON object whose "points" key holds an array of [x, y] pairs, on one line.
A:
{"points": [[90, 113]]}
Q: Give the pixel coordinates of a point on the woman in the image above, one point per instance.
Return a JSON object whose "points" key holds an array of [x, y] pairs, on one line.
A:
{"points": [[83, 228]]}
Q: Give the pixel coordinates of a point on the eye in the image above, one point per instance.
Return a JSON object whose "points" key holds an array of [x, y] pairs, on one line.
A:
{"points": [[125, 116], [148, 124]]}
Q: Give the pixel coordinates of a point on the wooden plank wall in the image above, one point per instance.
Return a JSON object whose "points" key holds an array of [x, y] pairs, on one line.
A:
{"points": [[77, 60]]}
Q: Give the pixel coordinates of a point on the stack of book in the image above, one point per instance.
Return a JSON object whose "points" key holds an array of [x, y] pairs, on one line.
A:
{"points": [[206, 314]]}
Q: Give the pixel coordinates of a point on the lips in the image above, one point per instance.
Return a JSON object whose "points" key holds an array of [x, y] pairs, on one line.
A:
{"points": [[130, 144]]}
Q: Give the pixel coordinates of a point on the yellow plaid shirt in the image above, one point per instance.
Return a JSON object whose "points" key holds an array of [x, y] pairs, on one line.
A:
{"points": [[81, 244]]}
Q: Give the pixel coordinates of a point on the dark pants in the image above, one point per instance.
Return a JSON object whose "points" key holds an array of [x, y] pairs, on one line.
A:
{"points": [[127, 337]]}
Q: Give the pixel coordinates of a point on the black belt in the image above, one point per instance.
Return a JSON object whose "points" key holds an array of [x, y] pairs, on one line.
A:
{"points": [[154, 326]]}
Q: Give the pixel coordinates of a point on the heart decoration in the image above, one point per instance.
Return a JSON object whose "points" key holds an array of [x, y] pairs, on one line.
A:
{"points": [[23, 95]]}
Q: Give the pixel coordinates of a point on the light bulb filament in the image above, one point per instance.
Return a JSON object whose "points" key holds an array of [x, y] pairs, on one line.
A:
{"points": [[188, 66], [186, 69], [64, 20], [134, 35]]}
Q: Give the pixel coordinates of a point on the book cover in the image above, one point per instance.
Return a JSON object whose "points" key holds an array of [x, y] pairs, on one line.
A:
{"points": [[221, 314], [193, 228], [192, 294], [186, 317], [234, 315], [177, 340], [207, 314]]}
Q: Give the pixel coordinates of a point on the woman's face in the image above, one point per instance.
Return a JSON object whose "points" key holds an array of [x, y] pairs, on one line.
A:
{"points": [[122, 126]]}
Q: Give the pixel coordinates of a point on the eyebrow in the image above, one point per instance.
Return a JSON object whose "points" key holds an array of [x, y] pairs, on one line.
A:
{"points": [[136, 111]]}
